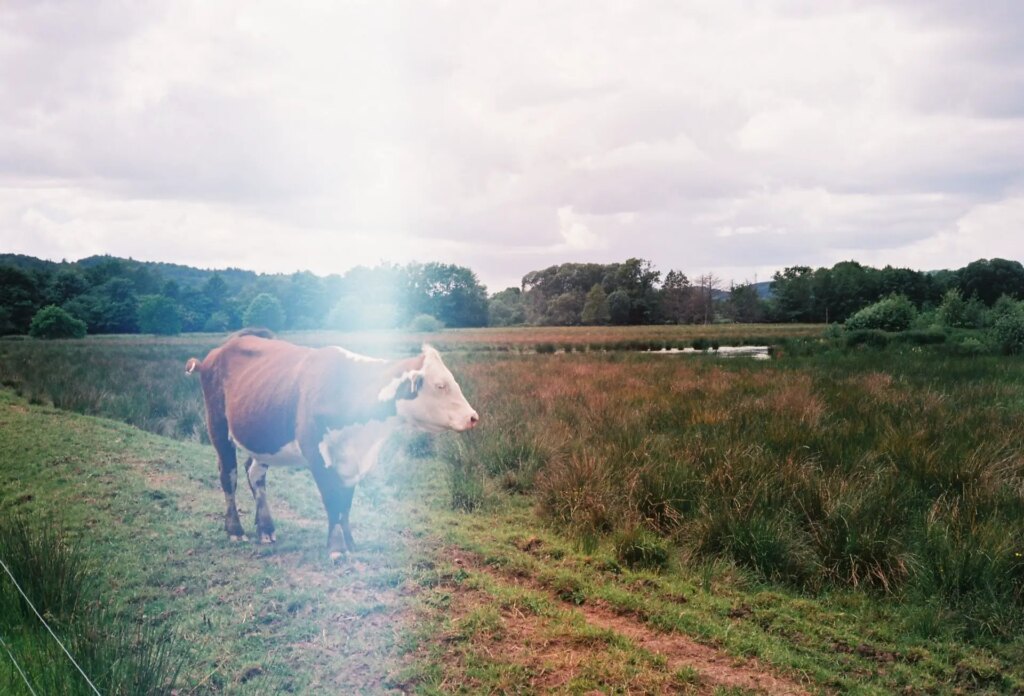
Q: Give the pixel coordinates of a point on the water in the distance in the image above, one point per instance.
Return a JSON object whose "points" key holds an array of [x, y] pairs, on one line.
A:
{"points": [[755, 352]]}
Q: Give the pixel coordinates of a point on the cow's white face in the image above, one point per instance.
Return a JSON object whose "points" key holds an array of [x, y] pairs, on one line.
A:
{"points": [[437, 403]]}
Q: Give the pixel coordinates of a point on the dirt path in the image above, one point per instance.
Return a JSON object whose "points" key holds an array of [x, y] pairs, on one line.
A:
{"points": [[715, 667]]}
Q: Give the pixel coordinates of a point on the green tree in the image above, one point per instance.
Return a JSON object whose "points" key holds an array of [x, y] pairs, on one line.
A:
{"points": [[676, 297], [639, 280], [565, 309], [451, 293], [215, 290], [66, 285], [842, 290], [595, 308], [744, 305], [112, 307], [159, 315], [304, 301], [957, 313], [506, 308], [989, 279], [265, 310], [53, 322], [218, 322], [793, 293], [19, 297], [619, 306]]}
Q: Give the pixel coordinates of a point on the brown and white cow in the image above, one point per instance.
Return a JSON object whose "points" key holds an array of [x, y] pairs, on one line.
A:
{"points": [[326, 408]]}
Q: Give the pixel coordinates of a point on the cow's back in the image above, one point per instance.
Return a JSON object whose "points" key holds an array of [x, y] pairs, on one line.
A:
{"points": [[256, 382]]}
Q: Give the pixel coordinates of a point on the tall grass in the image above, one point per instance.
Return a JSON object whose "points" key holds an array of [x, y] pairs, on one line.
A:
{"points": [[898, 472], [120, 656]]}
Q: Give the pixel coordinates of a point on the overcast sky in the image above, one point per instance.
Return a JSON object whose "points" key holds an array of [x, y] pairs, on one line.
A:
{"points": [[730, 137]]}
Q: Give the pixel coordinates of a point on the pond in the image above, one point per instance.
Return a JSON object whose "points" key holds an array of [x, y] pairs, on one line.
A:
{"points": [[755, 352]]}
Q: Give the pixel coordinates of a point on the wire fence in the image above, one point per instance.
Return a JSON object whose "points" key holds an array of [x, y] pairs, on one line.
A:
{"points": [[39, 616], [24, 677]]}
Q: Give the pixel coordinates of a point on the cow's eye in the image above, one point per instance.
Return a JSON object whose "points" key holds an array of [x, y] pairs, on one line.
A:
{"points": [[441, 385]]}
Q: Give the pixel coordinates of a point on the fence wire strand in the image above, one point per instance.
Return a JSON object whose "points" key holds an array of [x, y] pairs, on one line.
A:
{"points": [[24, 677], [47, 626]]}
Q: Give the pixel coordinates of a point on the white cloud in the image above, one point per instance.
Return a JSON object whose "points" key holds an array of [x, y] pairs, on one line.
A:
{"points": [[510, 136]]}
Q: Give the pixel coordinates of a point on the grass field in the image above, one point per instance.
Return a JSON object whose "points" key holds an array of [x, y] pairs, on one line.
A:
{"points": [[829, 521]]}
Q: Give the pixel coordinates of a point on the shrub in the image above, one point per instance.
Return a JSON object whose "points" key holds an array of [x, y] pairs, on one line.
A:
{"points": [[54, 322], [1008, 330], [545, 348], [264, 310], [894, 313], [425, 323]]}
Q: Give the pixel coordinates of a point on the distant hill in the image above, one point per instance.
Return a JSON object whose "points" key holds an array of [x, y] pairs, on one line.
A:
{"points": [[764, 291], [30, 263], [184, 276]]}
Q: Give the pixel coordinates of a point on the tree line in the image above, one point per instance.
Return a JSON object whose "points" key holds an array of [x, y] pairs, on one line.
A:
{"points": [[111, 295], [633, 292]]}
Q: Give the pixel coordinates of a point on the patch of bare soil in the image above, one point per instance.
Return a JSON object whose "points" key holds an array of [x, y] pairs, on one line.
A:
{"points": [[552, 659], [715, 667]]}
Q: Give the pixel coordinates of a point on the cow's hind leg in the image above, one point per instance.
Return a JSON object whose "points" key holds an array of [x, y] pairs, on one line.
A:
{"points": [[229, 482], [228, 465], [257, 474]]}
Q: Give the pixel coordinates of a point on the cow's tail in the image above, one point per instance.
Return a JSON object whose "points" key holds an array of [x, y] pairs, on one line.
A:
{"points": [[192, 365]]}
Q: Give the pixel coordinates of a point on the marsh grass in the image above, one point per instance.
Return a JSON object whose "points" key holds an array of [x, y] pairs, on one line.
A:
{"points": [[899, 472]]}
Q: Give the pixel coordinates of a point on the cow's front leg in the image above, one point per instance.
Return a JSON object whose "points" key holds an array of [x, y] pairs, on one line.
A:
{"points": [[257, 473], [334, 497], [346, 505]]}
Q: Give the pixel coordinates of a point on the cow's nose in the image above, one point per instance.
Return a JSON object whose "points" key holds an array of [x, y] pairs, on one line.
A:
{"points": [[473, 420]]}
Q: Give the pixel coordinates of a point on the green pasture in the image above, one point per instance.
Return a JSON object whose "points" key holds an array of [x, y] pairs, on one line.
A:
{"points": [[846, 519]]}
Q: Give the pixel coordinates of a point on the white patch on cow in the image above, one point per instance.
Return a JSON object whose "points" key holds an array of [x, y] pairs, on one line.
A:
{"points": [[356, 356], [257, 471], [289, 455], [390, 391], [354, 450]]}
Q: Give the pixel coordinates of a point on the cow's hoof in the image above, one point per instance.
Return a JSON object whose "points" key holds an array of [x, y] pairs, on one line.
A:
{"points": [[337, 556], [268, 538], [239, 537]]}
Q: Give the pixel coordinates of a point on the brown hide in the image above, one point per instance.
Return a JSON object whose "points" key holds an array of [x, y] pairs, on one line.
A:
{"points": [[267, 393]]}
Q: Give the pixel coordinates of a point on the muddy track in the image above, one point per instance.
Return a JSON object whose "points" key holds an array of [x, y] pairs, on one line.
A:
{"points": [[715, 667]]}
